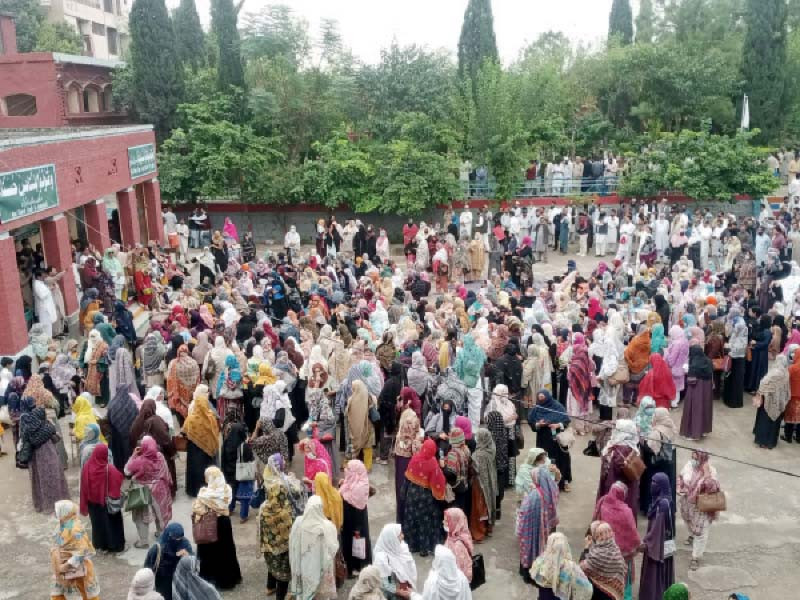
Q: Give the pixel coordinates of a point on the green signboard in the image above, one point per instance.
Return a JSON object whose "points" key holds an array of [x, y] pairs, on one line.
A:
{"points": [[27, 191], [142, 160]]}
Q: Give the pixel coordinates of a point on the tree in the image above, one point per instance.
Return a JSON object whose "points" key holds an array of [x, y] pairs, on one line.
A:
{"points": [[764, 64], [645, 25], [477, 43], [620, 22], [223, 24], [189, 34], [58, 37], [157, 73], [35, 34]]}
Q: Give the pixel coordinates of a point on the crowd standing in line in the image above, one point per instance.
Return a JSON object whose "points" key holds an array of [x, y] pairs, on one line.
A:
{"points": [[352, 359]]}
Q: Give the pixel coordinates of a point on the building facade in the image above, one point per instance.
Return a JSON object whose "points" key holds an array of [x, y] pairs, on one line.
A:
{"points": [[102, 24]]}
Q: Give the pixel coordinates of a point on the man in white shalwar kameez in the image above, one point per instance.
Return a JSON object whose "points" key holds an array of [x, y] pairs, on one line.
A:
{"points": [[705, 231], [465, 225], [661, 237], [44, 304]]}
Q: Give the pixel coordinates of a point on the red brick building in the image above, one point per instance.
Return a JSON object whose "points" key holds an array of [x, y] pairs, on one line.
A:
{"points": [[61, 183]]}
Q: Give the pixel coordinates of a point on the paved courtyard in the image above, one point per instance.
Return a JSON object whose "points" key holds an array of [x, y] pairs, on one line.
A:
{"points": [[754, 547]]}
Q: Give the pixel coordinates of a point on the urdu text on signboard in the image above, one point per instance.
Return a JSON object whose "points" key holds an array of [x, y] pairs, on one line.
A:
{"points": [[27, 191], [142, 160]]}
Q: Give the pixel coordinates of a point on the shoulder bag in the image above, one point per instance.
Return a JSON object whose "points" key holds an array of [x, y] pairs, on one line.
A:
{"points": [[565, 438], [713, 502], [245, 470], [633, 467], [621, 375], [478, 572], [138, 497], [113, 505], [204, 527]]}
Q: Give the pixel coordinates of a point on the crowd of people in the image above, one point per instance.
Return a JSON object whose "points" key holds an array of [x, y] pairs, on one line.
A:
{"points": [[338, 353]]}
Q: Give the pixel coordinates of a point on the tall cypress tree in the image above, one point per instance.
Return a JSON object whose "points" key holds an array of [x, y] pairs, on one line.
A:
{"points": [[645, 26], [620, 22], [189, 34], [223, 24], [764, 64], [477, 42], [157, 73]]}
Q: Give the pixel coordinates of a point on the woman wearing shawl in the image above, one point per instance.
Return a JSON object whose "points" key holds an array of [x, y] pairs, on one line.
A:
{"points": [[101, 480], [394, 561], [94, 362], [267, 440], [733, 395], [459, 539], [91, 438], [148, 468], [697, 417], [322, 419], [122, 412], [71, 556], [354, 491], [658, 571], [624, 441], [536, 370], [697, 477], [445, 581], [603, 563], [536, 518], [556, 575], [149, 422], [604, 349], [218, 563], [152, 354], [234, 447], [547, 419], [214, 364], [773, 395], [229, 387], [84, 415], [657, 340], [456, 468], [368, 586], [658, 384], [791, 416], [407, 443], [484, 486], [426, 486], [143, 586], [757, 367], [183, 375], [468, 366], [613, 510], [637, 354], [332, 504], [123, 322], [202, 431], [501, 403], [44, 398], [312, 546], [676, 357], [188, 584], [361, 433], [37, 437], [275, 518], [387, 408], [315, 460], [579, 379], [657, 452]]}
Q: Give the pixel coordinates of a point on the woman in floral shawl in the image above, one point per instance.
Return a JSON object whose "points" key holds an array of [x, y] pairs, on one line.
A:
{"points": [[95, 364], [229, 386], [555, 572], [579, 378], [71, 556], [148, 468], [406, 444], [603, 564], [183, 375], [426, 486], [697, 477], [613, 510], [275, 519]]}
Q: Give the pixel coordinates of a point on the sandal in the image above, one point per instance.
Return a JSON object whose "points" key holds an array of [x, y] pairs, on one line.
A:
{"points": [[689, 541], [694, 564], [141, 545]]}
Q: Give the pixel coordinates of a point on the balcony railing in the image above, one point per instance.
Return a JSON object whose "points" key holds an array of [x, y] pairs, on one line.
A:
{"points": [[537, 188]]}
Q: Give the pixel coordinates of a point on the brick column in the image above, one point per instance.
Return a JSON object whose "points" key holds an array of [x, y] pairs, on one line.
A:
{"points": [[12, 311], [152, 208], [58, 254], [128, 218], [97, 225]]}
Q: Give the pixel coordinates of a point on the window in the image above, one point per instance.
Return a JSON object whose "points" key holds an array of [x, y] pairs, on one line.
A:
{"points": [[88, 47], [18, 105], [91, 100], [108, 106], [108, 6], [98, 29], [74, 99], [113, 46]]}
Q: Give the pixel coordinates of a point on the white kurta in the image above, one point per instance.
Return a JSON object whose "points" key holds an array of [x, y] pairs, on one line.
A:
{"points": [[45, 305]]}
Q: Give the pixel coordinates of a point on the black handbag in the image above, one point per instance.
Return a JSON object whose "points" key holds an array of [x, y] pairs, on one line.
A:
{"points": [[478, 572]]}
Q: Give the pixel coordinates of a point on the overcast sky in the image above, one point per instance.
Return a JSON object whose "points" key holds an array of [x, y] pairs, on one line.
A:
{"points": [[369, 25]]}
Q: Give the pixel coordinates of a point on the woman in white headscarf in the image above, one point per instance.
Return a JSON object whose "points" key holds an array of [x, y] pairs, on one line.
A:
{"points": [[393, 558], [156, 393], [605, 348], [291, 242], [214, 363], [313, 543], [445, 580]]}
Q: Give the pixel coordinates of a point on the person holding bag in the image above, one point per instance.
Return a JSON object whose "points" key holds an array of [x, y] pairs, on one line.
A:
{"points": [[621, 461], [101, 499], [238, 464], [354, 489], [71, 556], [151, 498], [697, 479]]}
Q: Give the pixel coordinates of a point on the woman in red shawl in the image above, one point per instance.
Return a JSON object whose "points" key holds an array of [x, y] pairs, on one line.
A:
{"points": [[178, 315], [613, 509], [148, 467], [101, 480], [579, 378], [422, 520], [316, 460], [143, 284], [594, 308], [410, 399], [658, 383]]}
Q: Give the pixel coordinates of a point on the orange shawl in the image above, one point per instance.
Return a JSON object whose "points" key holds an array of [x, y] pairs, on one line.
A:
{"points": [[637, 354]]}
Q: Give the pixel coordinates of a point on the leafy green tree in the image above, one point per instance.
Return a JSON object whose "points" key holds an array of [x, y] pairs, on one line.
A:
{"points": [[157, 74], [620, 22], [341, 175], [189, 34], [645, 22], [702, 165], [58, 37], [224, 17], [477, 43], [274, 32], [764, 64], [35, 34]]}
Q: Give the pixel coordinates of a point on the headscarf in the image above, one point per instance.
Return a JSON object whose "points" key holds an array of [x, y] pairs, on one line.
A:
{"points": [[604, 564], [555, 569], [657, 340], [316, 458], [201, 425], [312, 546], [775, 389], [187, 583], [494, 423], [392, 556], [700, 365], [644, 416], [153, 352], [368, 586], [662, 429], [270, 440], [406, 442], [265, 375], [143, 586], [445, 581], [637, 353], [424, 470], [332, 504], [623, 434], [84, 415], [360, 427], [231, 375], [465, 425], [216, 494], [661, 497], [613, 509], [501, 403], [523, 481], [355, 487], [658, 382], [91, 437], [72, 540], [459, 539], [99, 479], [579, 374], [550, 411]]}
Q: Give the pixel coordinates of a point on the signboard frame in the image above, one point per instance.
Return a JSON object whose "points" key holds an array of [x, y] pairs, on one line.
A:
{"points": [[13, 207], [142, 160]]}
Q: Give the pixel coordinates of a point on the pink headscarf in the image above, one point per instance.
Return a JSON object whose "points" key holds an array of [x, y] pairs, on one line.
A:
{"points": [[206, 316], [462, 292], [527, 241], [459, 539], [578, 340], [355, 487], [320, 462], [613, 509], [230, 229], [698, 337], [466, 426]]}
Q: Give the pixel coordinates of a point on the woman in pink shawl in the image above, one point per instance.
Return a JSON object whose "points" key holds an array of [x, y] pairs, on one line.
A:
{"points": [[147, 467], [316, 460], [229, 229], [206, 316], [676, 356], [355, 493], [613, 509], [594, 308], [459, 539], [579, 378], [466, 426]]}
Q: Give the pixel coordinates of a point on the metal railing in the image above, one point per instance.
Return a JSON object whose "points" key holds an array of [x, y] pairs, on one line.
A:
{"points": [[537, 188]]}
